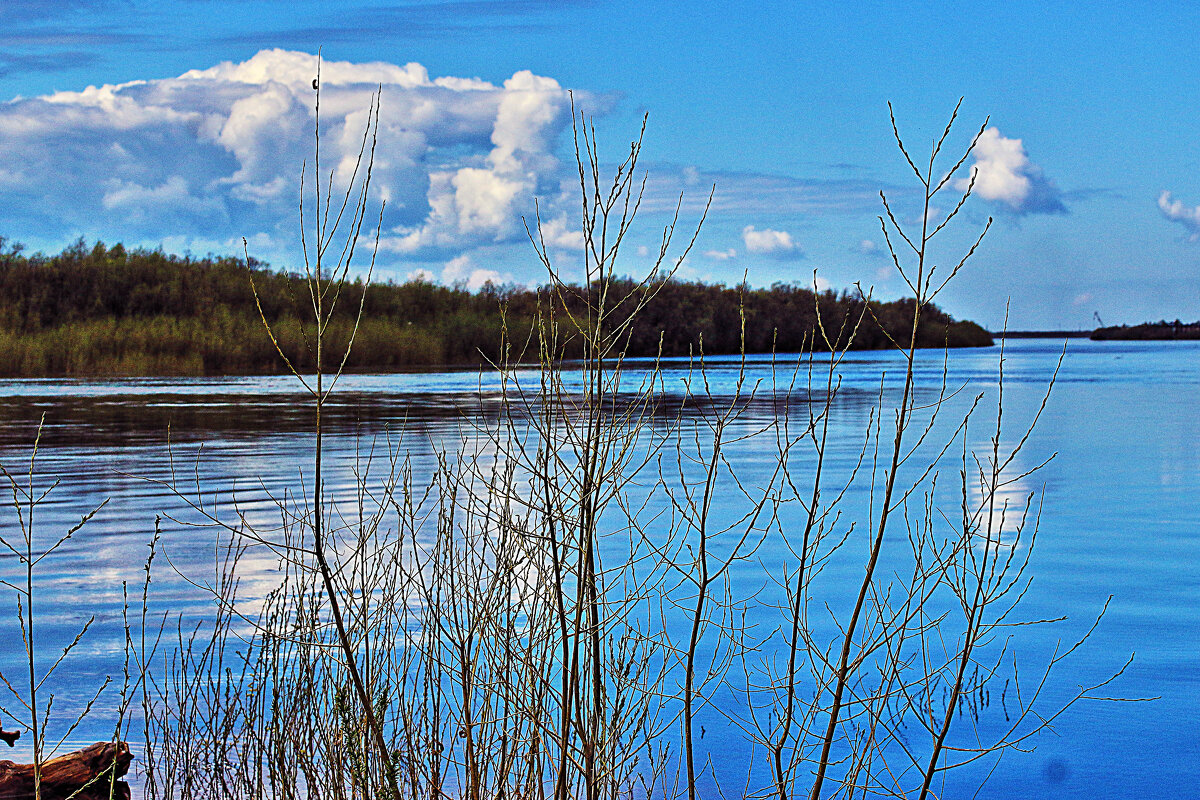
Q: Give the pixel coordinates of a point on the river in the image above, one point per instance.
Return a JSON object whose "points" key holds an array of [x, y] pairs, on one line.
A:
{"points": [[1121, 518]]}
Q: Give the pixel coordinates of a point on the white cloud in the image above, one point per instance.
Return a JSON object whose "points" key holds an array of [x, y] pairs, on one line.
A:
{"points": [[559, 233], [777, 244], [476, 205], [456, 269], [721, 255], [217, 152], [141, 203], [869, 247], [1176, 211], [461, 271], [1004, 174], [251, 131], [421, 276], [261, 244], [528, 116], [296, 70]]}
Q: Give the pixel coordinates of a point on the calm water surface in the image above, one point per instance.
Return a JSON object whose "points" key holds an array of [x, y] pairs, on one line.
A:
{"points": [[1122, 518]]}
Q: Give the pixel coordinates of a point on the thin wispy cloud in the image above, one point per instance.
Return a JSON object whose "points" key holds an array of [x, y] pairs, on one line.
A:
{"points": [[415, 20], [76, 24], [868, 247], [11, 62], [66, 36], [757, 194], [42, 10]]}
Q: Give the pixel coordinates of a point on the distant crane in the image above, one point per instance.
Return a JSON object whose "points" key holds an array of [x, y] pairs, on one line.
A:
{"points": [[1099, 322]]}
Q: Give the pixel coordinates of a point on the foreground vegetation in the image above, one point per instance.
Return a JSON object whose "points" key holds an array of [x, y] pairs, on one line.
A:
{"points": [[561, 606], [107, 311]]}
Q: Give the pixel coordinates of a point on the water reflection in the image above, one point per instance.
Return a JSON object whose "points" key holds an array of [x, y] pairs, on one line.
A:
{"points": [[1121, 515]]}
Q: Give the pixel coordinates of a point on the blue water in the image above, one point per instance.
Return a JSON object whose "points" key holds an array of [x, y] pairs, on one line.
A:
{"points": [[1121, 518]]}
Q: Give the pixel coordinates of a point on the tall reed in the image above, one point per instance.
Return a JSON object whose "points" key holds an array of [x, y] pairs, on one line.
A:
{"points": [[552, 611], [24, 539]]}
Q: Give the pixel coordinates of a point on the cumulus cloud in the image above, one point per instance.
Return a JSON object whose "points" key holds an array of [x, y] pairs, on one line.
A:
{"points": [[1176, 211], [460, 271], [484, 203], [1004, 174], [216, 152], [721, 255], [561, 234], [777, 244]]}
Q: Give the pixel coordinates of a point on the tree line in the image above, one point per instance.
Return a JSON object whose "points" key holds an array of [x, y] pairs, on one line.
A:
{"points": [[100, 310], [1148, 331]]}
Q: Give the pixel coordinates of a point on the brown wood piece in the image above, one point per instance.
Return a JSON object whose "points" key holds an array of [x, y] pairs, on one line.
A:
{"points": [[64, 776]]}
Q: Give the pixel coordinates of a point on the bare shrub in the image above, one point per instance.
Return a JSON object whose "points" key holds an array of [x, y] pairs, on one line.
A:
{"points": [[553, 611]]}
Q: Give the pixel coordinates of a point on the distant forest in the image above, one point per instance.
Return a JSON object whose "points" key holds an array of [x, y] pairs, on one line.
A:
{"points": [[1148, 331], [103, 310]]}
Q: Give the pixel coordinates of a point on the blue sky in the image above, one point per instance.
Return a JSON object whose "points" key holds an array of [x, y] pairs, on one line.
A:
{"points": [[1089, 166]]}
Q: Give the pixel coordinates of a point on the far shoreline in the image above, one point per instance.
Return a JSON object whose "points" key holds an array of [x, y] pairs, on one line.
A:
{"points": [[1041, 334]]}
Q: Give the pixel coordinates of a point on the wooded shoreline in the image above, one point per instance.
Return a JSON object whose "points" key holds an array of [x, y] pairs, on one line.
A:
{"points": [[1149, 331], [106, 311]]}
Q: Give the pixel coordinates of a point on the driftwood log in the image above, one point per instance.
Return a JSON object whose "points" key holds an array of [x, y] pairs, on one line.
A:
{"points": [[86, 774]]}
